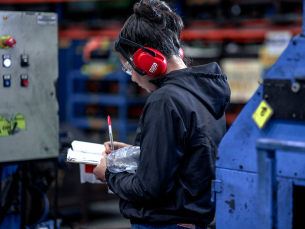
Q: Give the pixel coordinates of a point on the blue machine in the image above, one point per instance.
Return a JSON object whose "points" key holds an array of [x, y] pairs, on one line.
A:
{"points": [[246, 193]]}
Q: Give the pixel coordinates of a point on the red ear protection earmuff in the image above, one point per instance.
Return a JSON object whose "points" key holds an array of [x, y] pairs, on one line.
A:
{"points": [[153, 66], [145, 60], [181, 53]]}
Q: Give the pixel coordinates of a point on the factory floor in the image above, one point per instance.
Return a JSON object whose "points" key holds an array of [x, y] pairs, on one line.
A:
{"points": [[106, 215], [102, 215]]}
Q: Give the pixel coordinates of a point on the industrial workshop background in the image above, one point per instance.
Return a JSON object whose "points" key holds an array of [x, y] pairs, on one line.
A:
{"points": [[245, 37]]}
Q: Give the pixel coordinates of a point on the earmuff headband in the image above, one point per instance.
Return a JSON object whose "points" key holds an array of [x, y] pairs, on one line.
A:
{"points": [[131, 43]]}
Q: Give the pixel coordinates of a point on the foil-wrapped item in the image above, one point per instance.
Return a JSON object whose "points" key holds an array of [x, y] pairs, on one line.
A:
{"points": [[124, 159]]}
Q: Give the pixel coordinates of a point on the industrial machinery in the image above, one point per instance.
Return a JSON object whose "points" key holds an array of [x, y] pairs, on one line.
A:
{"points": [[259, 150], [29, 123], [29, 70]]}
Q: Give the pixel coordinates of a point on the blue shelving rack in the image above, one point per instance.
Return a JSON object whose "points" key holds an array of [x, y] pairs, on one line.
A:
{"points": [[122, 125]]}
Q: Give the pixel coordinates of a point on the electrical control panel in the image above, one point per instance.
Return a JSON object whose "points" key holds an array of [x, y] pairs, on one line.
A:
{"points": [[29, 71]]}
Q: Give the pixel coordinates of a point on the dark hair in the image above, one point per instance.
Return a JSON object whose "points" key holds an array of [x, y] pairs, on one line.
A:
{"points": [[153, 25]]}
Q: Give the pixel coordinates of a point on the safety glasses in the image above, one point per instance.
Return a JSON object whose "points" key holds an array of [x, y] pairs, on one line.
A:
{"points": [[118, 48], [127, 68]]}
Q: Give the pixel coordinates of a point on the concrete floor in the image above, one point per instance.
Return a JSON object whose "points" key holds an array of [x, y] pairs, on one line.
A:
{"points": [[106, 215], [103, 215]]}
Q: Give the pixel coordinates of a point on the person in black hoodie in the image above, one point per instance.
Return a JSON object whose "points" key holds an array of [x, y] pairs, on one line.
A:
{"points": [[179, 131]]}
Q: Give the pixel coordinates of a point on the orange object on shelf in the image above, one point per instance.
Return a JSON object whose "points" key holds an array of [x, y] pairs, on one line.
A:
{"points": [[220, 34], [236, 34], [230, 118], [84, 34]]}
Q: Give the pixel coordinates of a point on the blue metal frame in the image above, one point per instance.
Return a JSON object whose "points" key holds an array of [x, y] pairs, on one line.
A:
{"points": [[68, 59], [267, 182], [303, 18], [121, 100], [236, 165]]}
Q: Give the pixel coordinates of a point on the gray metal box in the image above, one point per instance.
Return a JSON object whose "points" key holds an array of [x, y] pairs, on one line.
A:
{"points": [[28, 104]]}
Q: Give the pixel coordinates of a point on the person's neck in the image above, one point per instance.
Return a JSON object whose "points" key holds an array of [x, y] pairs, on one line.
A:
{"points": [[175, 63]]}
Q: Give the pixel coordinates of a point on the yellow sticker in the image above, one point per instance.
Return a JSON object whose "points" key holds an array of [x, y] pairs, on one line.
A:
{"points": [[262, 114], [5, 126], [9, 128], [2, 40], [20, 120]]}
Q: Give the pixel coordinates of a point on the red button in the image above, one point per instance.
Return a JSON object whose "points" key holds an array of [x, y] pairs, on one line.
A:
{"points": [[25, 83], [10, 42]]}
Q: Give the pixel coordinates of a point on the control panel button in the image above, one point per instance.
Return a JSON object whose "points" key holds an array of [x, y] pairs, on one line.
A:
{"points": [[24, 60], [10, 42], [7, 42], [6, 80], [25, 83], [24, 80], [6, 60]]}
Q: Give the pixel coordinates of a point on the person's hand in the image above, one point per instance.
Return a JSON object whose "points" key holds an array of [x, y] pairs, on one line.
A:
{"points": [[116, 146], [100, 169]]}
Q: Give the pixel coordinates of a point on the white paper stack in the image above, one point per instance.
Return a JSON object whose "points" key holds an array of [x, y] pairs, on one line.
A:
{"points": [[85, 153]]}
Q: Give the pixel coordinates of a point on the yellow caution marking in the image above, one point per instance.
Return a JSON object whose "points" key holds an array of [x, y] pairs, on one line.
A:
{"points": [[262, 114], [2, 40], [8, 128], [5, 126], [20, 120]]}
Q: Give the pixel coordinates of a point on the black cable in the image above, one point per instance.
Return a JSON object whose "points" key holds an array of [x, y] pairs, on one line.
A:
{"points": [[46, 211]]}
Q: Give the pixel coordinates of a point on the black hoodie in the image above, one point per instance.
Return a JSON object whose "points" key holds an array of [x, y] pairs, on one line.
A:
{"points": [[179, 132]]}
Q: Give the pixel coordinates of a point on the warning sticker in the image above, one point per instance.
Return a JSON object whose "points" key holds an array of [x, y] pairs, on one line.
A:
{"points": [[9, 128], [262, 114]]}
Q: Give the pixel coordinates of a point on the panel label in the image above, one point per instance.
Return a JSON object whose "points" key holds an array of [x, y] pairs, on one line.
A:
{"points": [[10, 128], [262, 114], [46, 20]]}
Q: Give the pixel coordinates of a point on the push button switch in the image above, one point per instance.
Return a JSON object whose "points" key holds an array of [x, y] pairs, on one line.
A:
{"points": [[6, 60], [7, 42], [10, 42], [24, 60], [6, 80], [24, 80]]}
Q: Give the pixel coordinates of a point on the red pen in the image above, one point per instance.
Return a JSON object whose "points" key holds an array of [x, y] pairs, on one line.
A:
{"points": [[110, 133]]}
